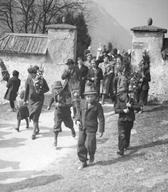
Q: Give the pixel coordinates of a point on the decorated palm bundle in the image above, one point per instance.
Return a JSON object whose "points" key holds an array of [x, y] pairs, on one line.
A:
{"points": [[38, 81], [4, 71]]}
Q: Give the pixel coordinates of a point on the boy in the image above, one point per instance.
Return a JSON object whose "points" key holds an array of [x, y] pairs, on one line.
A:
{"points": [[62, 98], [91, 111], [125, 108], [22, 111]]}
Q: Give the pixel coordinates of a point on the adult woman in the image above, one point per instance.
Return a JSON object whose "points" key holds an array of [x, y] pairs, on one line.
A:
{"points": [[34, 92], [108, 71], [13, 87]]}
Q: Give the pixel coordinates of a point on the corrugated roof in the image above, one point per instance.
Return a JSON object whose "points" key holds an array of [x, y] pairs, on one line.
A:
{"points": [[149, 28], [34, 44]]}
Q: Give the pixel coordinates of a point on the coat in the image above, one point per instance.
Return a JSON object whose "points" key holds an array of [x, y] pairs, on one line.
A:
{"points": [[13, 87], [83, 72], [72, 78], [89, 117], [97, 74], [121, 105], [35, 100]]}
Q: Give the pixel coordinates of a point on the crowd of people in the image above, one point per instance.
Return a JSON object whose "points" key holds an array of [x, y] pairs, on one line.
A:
{"points": [[87, 84]]}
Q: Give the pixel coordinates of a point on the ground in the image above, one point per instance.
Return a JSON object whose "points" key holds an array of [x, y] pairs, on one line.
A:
{"points": [[31, 166]]}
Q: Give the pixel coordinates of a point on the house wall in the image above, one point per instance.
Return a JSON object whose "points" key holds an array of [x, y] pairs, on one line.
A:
{"points": [[153, 42]]}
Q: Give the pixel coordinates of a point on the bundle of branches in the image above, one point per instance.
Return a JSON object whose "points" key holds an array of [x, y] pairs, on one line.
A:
{"points": [[4, 71]]}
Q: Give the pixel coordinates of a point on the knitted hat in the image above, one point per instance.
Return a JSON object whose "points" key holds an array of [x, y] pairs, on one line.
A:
{"points": [[90, 89], [57, 84]]}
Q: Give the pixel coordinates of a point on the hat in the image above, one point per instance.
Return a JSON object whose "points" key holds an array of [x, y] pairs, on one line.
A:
{"points": [[90, 89], [69, 62], [57, 84]]}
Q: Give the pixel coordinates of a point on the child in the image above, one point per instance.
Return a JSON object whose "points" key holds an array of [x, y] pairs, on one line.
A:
{"points": [[62, 98], [125, 107], [91, 112], [22, 111]]}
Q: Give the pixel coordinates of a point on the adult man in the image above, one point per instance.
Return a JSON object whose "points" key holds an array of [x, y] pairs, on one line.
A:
{"points": [[72, 78]]}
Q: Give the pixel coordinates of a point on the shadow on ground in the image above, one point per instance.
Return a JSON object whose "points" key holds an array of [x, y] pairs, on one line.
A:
{"points": [[7, 164], [28, 183], [133, 153], [157, 108], [12, 143]]}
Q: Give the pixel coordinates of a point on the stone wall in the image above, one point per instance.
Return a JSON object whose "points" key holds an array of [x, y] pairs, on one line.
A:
{"points": [[62, 40], [152, 42]]}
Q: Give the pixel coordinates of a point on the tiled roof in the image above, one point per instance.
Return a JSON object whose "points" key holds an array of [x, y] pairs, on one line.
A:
{"points": [[149, 28], [19, 43]]}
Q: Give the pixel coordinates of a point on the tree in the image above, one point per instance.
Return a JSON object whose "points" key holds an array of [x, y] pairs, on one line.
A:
{"points": [[83, 38], [32, 16]]}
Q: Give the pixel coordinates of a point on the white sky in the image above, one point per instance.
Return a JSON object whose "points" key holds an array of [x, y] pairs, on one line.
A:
{"points": [[132, 13]]}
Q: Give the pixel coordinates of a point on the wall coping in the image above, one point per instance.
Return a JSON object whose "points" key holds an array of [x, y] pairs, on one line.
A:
{"points": [[148, 28], [61, 26]]}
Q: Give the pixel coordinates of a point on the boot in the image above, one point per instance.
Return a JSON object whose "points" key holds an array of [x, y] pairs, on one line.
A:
{"points": [[27, 123], [35, 124], [55, 139], [18, 125], [83, 165], [37, 128]]}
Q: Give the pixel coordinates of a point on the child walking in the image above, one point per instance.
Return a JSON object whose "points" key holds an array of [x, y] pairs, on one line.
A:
{"points": [[62, 98], [22, 111], [125, 108], [91, 112]]}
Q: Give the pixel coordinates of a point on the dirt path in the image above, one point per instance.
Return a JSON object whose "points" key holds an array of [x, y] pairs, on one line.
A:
{"points": [[143, 168]]}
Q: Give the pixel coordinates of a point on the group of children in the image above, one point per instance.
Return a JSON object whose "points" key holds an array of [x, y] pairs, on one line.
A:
{"points": [[91, 117]]}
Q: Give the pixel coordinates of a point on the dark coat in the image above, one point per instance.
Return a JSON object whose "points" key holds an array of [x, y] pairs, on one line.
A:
{"points": [[121, 105], [72, 78], [89, 117], [35, 100], [83, 72], [13, 87], [97, 74]]}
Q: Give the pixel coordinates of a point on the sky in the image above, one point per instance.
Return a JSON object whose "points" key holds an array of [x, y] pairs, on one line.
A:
{"points": [[132, 13]]}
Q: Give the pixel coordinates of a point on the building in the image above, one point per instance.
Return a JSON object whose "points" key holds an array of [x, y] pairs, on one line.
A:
{"points": [[152, 39], [51, 51]]}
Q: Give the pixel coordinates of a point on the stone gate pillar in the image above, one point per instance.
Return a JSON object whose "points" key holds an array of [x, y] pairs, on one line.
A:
{"points": [[150, 38]]}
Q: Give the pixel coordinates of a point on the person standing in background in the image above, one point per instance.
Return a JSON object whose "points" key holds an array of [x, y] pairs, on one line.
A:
{"points": [[13, 87]]}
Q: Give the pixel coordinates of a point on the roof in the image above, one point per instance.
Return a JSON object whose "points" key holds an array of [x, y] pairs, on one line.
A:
{"points": [[61, 26], [149, 28], [20, 43]]}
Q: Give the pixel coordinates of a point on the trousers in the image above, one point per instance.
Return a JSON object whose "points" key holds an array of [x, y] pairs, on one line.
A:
{"points": [[86, 145], [124, 133]]}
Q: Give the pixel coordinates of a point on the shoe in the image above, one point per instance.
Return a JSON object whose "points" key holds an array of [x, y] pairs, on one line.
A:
{"points": [[17, 129], [120, 153], [37, 131], [83, 165], [91, 161], [73, 132], [127, 148], [33, 137]]}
